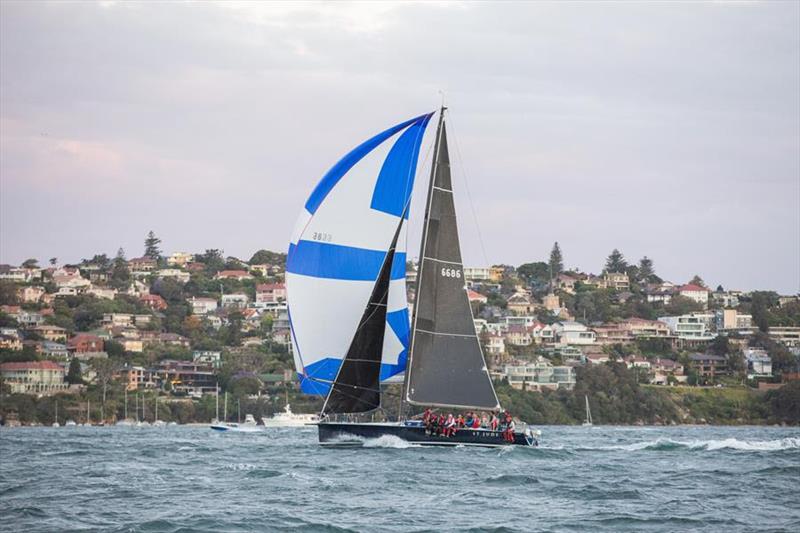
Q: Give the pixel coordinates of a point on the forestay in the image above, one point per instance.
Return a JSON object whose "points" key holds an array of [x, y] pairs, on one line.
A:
{"points": [[338, 248]]}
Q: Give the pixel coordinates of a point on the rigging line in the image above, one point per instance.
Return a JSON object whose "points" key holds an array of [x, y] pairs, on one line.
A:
{"points": [[469, 195], [419, 169]]}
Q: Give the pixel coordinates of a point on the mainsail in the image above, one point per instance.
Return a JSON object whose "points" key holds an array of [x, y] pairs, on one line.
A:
{"points": [[446, 365], [338, 249]]}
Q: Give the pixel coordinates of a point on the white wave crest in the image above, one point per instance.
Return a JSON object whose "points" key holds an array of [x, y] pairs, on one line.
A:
{"points": [[788, 443], [388, 441]]}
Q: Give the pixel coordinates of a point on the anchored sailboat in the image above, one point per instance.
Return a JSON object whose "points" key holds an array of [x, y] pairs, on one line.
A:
{"points": [[588, 420], [345, 280]]}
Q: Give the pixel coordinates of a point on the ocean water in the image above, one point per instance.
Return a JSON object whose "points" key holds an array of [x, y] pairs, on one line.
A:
{"points": [[581, 479]]}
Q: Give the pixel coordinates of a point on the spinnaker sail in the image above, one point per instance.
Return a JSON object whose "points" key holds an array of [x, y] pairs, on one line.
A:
{"points": [[337, 251]]}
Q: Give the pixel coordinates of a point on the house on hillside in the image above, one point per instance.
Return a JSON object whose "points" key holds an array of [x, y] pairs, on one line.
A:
{"points": [[31, 294], [476, 297], [520, 304], [566, 282], [617, 281], [153, 301], [142, 266], [709, 366], [239, 275], [759, 363], [34, 377], [51, 333], [234, 301], [85, 343], [568, 332], [695, 292], [270, 292], [202, 306], [174, 273], [179, 259]]}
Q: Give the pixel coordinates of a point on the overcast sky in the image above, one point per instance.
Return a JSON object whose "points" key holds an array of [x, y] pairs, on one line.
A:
{"points": [[666, 130]]}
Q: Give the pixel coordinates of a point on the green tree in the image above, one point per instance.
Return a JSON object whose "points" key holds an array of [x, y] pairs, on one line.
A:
{"points": [[113, 348], [53, 261], [681, 305], [534, 273], [213, 260], [30, 263], [556, 260], [785, 402], [720, 345], [616, 262], [266, 257], [100, 260], [74, 374], [760, 304], [697, 280], [151, 248], [8, 293], [120, 274], [646, 271]]}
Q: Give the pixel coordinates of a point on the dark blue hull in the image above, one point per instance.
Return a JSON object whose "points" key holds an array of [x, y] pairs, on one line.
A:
{"points": [[354, 434]]}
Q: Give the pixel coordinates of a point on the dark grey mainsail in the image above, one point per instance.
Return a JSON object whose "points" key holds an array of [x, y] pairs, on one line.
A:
{"points": [[356, 388], [446, 365]]}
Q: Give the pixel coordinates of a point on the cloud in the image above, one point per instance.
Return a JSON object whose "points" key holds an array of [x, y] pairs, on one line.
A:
{"points": [[664, 130]]}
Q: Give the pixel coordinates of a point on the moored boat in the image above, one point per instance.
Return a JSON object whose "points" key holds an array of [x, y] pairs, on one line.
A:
{"points": [[289, 419]]}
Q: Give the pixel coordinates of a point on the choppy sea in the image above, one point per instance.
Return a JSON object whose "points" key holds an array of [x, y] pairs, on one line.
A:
{"points": [[580, 479]]}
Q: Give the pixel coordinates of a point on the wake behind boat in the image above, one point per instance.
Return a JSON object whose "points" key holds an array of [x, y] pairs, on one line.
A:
{"points": [[345, 279]]}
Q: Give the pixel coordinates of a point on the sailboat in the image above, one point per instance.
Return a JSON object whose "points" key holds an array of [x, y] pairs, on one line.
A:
{"points": [[249, 426], [156, 421], [588, 420], [55, 423], [348, 313], [125, 421]]}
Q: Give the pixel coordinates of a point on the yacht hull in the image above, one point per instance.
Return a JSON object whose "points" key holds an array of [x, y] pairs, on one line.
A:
{"points": [[354, 434]]}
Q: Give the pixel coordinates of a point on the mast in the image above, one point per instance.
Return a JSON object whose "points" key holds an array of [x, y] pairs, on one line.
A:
{"points": [[225, 410], [216, 390], [126, 402]]}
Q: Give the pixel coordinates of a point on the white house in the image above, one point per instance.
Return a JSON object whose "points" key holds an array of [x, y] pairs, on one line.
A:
{"points": [[208, 357], [695, 292], [179, 259], [237, 300], [539, 375], [568, 332], [174, 273], [694, 326], [477, 273], [202, 306], [759, 363]]}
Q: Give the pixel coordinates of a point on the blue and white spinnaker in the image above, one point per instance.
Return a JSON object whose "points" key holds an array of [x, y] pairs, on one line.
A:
{"points": [[337, 249]]}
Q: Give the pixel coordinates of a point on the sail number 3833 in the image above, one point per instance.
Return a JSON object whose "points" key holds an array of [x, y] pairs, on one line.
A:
{"points": [[451, 272]]}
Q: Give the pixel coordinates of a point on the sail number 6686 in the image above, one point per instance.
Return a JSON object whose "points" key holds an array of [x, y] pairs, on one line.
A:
{"points": [[451, 273]]}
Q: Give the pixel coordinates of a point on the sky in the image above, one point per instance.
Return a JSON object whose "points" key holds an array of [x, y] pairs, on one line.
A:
{"points": [[670, 130]]}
